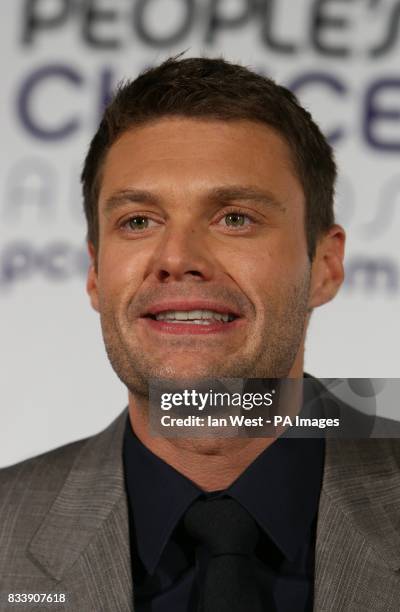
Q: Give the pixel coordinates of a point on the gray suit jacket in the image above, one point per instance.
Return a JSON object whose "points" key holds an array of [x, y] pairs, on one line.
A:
{"points": [[64, 527]]}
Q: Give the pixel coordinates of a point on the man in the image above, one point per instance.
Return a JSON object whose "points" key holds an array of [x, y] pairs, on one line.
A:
{"points": [[208, 192]]}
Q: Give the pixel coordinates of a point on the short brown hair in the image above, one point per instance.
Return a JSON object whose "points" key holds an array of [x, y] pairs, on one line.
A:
{"points": [[217, 89]]}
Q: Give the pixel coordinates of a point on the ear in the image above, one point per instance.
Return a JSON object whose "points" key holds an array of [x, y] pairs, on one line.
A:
{"points": [[92, 280], [327, 273]]}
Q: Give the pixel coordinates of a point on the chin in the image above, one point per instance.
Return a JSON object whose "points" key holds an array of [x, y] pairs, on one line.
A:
{"points": [[186, 373]]}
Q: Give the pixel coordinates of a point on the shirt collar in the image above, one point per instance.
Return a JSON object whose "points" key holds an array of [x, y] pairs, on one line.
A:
{"points": [[280, 489], [158, 496]]}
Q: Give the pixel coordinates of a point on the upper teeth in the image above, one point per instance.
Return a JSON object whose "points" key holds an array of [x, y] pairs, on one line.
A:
{"points": [[192, 315]]}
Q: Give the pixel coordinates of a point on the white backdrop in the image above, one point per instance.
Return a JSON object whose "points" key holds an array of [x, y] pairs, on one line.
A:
{"points": [[59, 61]]}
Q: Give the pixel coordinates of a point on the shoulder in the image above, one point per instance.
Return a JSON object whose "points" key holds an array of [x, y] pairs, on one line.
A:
{"points": [[47, 464], [37, 480], [31, 489], [41, 477], [358, 419], [28, 491], [381, 452], [46, 472]]}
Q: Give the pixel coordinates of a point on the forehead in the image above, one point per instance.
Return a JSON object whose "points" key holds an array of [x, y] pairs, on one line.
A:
{"points": [[177, 153]]}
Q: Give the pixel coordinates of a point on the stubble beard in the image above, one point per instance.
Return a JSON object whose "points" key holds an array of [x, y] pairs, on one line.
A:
{"points": [[270, 356]]}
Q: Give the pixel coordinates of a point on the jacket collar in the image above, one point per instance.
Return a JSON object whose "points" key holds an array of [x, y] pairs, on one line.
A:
{"points": [[92, 494], [362, 482], [361, 489]]}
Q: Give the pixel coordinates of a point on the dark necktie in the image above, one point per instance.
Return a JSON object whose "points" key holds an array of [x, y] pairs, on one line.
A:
{"points": [[230, 535]]}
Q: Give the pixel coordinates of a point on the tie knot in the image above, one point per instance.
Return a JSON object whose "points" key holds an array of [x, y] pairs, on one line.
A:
{"points": [[222, 525]]}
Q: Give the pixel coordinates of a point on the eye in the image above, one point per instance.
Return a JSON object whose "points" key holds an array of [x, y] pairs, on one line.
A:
{"points": [[236, 219], [137, 223]]}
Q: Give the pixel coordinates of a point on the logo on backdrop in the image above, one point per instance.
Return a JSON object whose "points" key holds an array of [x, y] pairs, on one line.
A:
{"points": [[102, 25], [38, 192]]}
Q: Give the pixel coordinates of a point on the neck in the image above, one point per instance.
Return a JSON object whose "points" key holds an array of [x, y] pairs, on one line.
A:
{"points": [[213, 464]]}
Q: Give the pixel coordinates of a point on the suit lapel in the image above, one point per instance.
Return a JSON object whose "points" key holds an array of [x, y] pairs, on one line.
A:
{"points": [[83, 542], [358, 530]]}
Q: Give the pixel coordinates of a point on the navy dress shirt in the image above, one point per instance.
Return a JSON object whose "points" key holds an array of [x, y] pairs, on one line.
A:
{"points": [[280, 489]]}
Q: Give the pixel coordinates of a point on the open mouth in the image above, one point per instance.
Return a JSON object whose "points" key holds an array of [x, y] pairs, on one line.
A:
{"points": [[192, 317]]}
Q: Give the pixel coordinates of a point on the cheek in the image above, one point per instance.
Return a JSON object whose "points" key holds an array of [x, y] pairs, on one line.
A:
{"points": [[267, 271], [120, 272]]}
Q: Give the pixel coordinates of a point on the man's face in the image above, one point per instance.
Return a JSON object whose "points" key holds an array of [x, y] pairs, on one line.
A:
{"points": [[198, 219]]}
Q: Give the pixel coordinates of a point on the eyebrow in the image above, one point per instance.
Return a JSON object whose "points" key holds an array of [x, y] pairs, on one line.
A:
{"points": [[222, 195], [120, 198], [247, 193]]}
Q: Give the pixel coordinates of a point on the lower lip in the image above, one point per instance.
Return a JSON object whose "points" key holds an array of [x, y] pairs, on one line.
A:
{"points": [[191, 328]]}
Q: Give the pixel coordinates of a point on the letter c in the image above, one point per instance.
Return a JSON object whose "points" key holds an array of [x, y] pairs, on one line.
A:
{"points": [[329, 81], [24, 98]]}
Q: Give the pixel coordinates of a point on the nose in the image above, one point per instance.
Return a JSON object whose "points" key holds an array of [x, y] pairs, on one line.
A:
{"points": [[182, 255]]}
